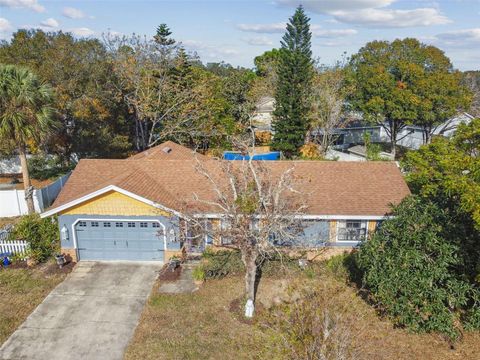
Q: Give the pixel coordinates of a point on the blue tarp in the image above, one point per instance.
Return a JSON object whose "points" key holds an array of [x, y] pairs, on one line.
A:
{"points": [[229, 155]]}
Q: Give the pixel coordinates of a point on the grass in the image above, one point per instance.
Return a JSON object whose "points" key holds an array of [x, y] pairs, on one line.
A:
{"points": [[21, 290], [202, 325]]}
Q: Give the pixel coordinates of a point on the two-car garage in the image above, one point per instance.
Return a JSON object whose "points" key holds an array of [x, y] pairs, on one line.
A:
{"points": [[107, 239]]}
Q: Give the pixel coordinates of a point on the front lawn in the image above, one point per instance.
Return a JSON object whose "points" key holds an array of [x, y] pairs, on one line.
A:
{"points": [[21, 290], [202, 325]]}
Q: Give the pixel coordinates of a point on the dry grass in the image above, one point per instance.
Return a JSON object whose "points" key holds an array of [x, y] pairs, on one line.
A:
{"points": [[201, 326], [21, 290]]}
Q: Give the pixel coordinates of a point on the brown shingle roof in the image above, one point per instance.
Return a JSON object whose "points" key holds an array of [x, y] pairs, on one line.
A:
{"points": [[167, 151], [330, 188]]}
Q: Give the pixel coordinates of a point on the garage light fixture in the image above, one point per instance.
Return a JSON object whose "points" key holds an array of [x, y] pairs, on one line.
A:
{"points": [[64, 233]]}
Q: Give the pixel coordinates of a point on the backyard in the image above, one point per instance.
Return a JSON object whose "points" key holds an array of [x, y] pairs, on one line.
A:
{"points": [[207, 324], [22, 289]]}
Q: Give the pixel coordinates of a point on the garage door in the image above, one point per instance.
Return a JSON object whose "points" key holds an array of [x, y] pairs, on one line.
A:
{"points": [[119, 240]]}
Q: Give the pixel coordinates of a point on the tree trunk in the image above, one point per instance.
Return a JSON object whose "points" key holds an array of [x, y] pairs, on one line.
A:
{"points": [[393, 149], [26, 180], [250, 277]]}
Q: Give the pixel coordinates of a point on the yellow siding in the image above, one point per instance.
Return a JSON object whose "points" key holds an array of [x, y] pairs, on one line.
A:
{"points": [[372, 225], [333, 231], [114, 203]]}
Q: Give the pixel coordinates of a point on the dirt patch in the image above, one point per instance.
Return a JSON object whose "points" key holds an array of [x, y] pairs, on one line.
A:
{"points": [[18, 265], [167, 275], [54, 269], [19, 185]]}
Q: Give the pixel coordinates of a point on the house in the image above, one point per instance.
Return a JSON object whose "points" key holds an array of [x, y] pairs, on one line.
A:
{"points": [[135, 209], [410, 137]]}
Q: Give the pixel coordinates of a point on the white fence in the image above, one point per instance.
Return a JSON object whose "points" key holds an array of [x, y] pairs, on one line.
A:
{"points": [[12, 202], [17, 247]]}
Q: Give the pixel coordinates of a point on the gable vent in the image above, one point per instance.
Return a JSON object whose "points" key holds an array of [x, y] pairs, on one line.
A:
{"points": [[167, 150]]}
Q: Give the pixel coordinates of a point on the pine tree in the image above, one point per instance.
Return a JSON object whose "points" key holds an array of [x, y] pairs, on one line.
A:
{"points": [[162, 37], [295, 72]]}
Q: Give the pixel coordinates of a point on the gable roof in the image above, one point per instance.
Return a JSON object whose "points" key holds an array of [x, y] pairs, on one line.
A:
{"points": [[167, 150], [330, 188]]}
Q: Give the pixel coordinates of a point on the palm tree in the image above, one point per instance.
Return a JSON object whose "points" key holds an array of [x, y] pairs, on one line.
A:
{"points": [[26, 115]]}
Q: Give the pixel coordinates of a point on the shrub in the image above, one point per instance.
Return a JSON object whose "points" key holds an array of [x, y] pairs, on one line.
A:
{"points": [[41, 235], [199, 273], [411, 268], [218, 264]]}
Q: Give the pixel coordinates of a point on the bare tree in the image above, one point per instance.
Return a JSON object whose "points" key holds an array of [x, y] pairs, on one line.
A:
{"points": [[258, 206], [328, 99]]}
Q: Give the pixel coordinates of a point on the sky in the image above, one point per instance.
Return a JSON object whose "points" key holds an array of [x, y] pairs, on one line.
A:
{"points": [[235, 31]]}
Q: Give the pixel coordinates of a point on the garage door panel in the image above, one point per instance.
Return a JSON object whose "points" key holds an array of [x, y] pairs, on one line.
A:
{"points": [[119, 241]]}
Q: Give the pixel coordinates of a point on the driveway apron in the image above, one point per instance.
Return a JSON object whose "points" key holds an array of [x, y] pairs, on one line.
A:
{"points": [[92, 314]]}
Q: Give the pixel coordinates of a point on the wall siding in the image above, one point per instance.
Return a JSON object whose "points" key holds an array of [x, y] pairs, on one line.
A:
{"points": [[114, 203]]}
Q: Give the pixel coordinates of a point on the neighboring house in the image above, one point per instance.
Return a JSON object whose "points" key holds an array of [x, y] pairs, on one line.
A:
{"points": [[134, 209], [411, 137], [263, 117], [11, 165]]}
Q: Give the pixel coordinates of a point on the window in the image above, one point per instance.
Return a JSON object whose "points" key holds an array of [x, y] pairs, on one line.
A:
{"points": [[225, 226], [94, 223], [131, 224], [107, 224], [155, 225], [119, 224], [143, 224], [82, 223], [314, 233], [352, 230]]}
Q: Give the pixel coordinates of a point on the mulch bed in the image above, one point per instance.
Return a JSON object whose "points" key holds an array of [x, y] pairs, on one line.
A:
{"points": [[52, 268], [168, 275]]}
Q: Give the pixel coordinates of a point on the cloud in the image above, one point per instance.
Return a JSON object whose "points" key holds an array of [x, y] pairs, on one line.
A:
{"points": [[50, 23], [334, 33], [389, 18], [372, 13], [263, 28], [5, 25], [210, 51], [82, 32], [73, 13], [328, 6], [459, 38], [258, 41], [23, 4]]}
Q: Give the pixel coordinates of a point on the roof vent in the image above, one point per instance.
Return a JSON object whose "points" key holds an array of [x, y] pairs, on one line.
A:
{"points": [[167, 150]]}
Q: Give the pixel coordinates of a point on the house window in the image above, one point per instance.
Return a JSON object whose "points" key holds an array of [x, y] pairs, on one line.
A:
{"points": [[107, 224], [155, 225], [82, 223], [119, 224], [352, 230], [314, 233], [131, 224], [94, 223], [225, 227], [143, 224]]}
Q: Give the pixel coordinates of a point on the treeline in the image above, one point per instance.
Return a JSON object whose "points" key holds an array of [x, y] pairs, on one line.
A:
{"points": [[117, 96]]}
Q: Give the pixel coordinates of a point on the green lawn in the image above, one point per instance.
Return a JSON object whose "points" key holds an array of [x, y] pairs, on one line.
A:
{"points": [[21, 290], [202, 326]]}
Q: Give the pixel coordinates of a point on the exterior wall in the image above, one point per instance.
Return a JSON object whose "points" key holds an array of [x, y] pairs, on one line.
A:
{"points": [[114, 203]]}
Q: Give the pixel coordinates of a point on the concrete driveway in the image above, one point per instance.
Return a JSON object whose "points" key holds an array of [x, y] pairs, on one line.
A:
{"points": [[91, 315]]}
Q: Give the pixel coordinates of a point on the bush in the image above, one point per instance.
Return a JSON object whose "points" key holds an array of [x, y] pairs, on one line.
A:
{"points": [[218, 264], [41, 235], [43, 167], [411, 269]]}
